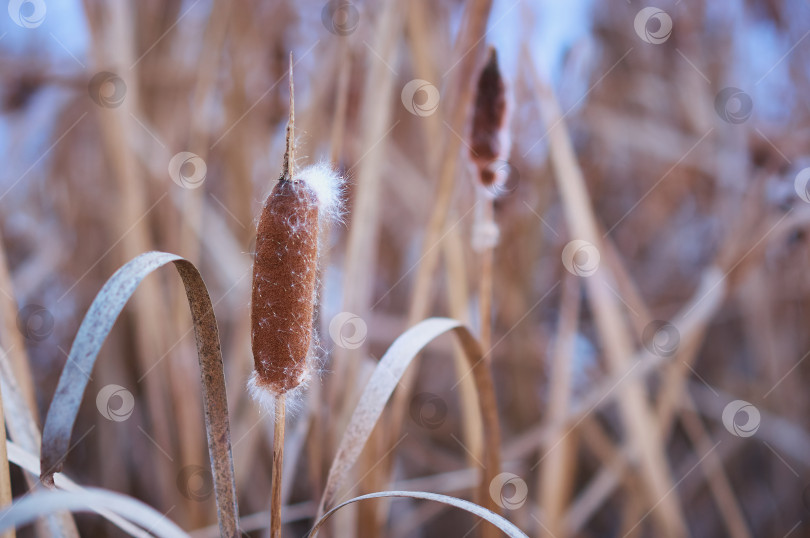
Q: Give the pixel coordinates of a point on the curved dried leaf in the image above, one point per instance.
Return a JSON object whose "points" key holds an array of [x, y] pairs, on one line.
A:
{"points": [[502, 523], [94, 330], [25, 460], [30, 507], [381, 386]]}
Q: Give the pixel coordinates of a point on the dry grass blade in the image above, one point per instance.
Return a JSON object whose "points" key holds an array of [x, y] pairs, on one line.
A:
{"points": [[93, 331], [503, 524], [25, 460], [558, 469], [469, 42], [5, 478], [23, 430], [20, 422], [12, 338], [641, 424], [381, 386], [29, 508]]}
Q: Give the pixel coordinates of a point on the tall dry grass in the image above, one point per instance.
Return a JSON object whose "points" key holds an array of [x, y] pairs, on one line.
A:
{"points": [[657, 392]]}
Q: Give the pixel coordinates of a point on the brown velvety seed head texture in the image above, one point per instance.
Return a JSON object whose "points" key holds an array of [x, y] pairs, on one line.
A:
{"points": [[488, 117], [284, 286]]}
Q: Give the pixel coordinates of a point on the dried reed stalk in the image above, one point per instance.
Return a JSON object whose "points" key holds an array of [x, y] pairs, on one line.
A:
{"points": [[458, 300], [674, 395], [556, 474], [5, 477], [642, 427], [474, 27], [362, 247], [460, 92], [12, 338], [113, 45]]}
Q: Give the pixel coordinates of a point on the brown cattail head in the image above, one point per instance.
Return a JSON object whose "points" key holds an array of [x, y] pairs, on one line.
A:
{"points": [[284, 286], [285, 273], [490, 137]]}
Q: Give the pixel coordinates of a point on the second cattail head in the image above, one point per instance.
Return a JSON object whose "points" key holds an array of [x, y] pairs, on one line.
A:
{"points": [[490, 142]]}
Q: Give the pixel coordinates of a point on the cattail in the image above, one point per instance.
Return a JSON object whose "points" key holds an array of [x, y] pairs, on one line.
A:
{"points": [[489, 148], [490, 142], [285, 274]]}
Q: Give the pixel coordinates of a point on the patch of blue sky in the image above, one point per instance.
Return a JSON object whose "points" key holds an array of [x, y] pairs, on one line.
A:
{"points": [[549, 28], [766, 57], [59, 40]]}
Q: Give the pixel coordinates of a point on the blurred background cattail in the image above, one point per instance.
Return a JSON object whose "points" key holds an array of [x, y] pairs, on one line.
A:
{"points": [[645, 311]]}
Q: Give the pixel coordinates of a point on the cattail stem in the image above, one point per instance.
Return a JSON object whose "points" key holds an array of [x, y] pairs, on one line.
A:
{"points": [[485, 281], [278, 464]]}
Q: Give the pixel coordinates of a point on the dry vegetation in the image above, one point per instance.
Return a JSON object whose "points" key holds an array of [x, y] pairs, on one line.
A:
{"points": [[638, 367]]}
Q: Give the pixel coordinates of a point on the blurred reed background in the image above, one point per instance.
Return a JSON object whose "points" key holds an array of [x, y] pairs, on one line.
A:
{"points": [[649, 304]]}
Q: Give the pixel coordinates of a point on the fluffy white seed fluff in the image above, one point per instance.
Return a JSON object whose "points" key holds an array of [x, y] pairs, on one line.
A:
{"points": [[328, 188]]}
